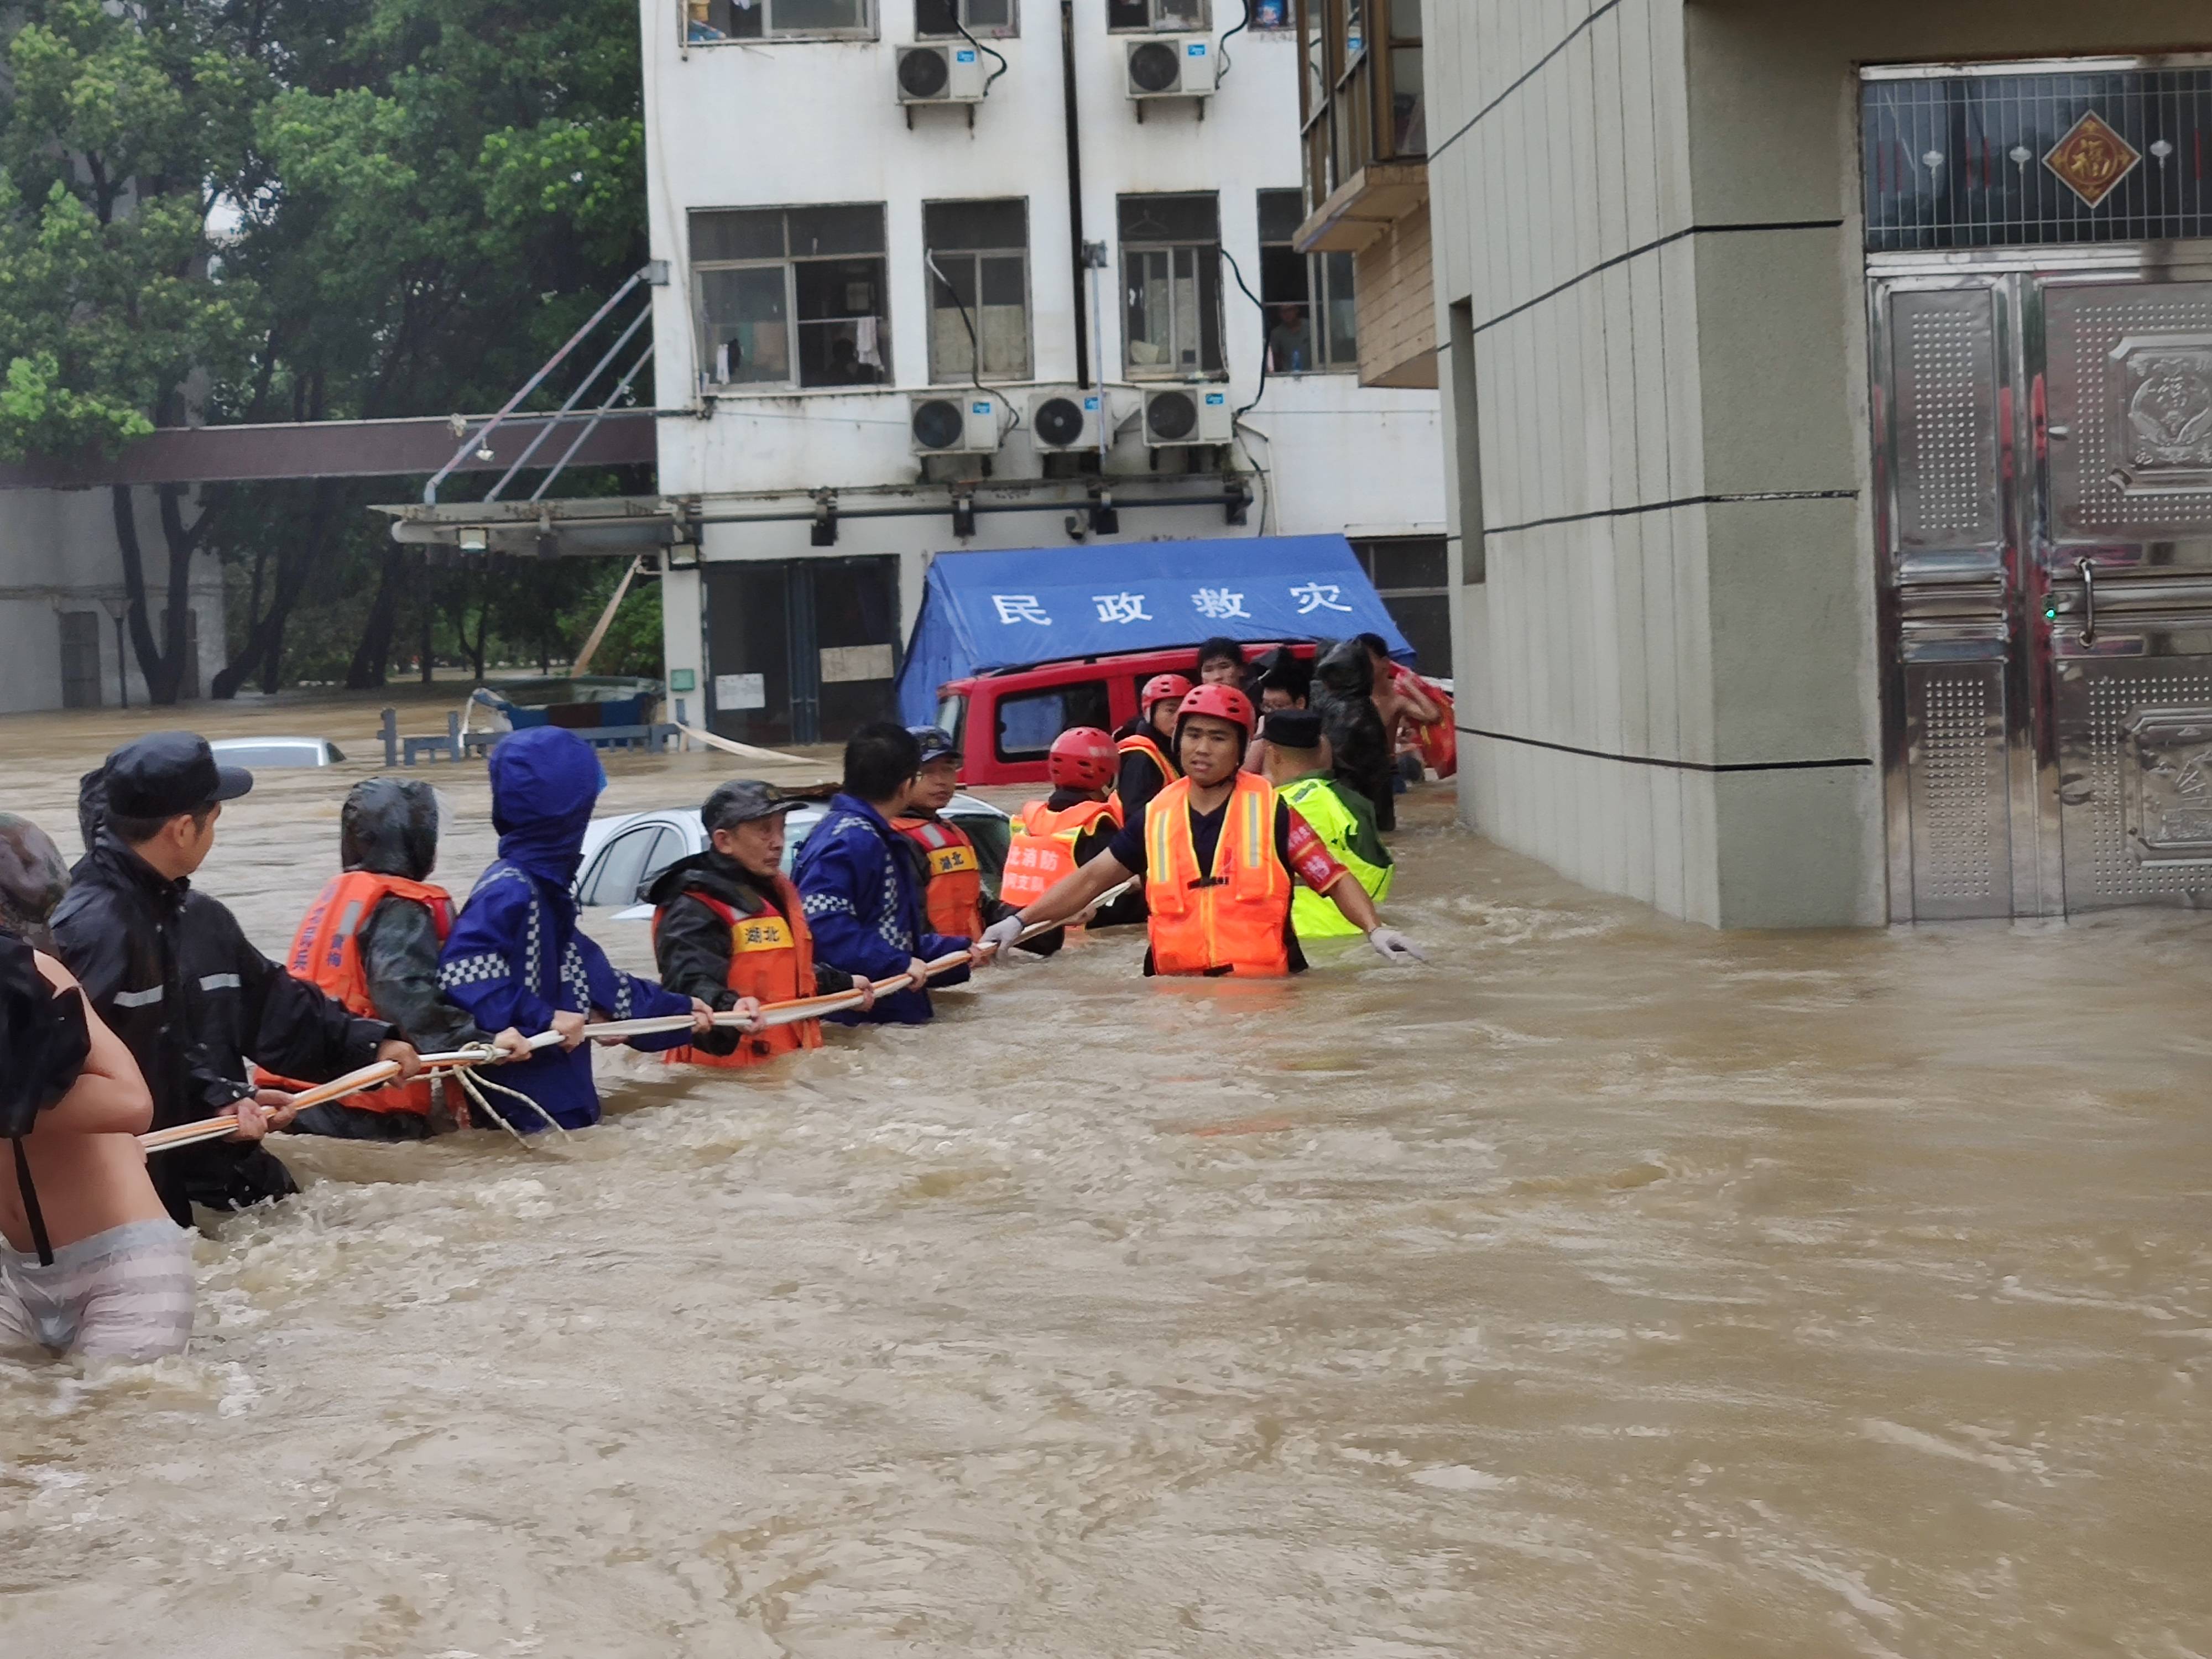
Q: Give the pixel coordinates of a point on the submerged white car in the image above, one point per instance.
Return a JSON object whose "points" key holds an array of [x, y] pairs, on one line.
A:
{"points": [[261, 754], [623, 856]]}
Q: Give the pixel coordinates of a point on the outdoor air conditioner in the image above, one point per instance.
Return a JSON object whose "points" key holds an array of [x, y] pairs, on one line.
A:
{"points": [[1172, 66], [1064, 420], [949, 73], [1197, 414], [955, 423]]}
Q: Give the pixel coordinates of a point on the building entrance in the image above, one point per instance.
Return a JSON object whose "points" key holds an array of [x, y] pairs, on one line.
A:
{"points": [[2043, 449], [801, 651]]}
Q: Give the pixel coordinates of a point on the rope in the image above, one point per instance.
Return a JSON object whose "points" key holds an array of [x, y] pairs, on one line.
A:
{"points": [[468, 1088]]}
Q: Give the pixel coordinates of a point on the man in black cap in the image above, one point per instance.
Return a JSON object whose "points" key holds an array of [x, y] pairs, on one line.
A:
{"points": [[729, 928], [171, 972]]}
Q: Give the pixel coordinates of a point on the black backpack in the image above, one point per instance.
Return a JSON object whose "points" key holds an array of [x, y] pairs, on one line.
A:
{"points": [[44, 1044]]}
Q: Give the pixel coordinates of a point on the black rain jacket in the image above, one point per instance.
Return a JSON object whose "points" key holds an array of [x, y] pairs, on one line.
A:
{"points": [[1344, 696], [691, 943], [389, 826]]}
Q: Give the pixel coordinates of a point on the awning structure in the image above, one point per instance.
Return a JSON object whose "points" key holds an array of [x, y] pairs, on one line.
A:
{"points": [[1000, 610]]}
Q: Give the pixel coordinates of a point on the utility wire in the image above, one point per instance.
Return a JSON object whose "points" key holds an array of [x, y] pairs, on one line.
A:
{"points": [[1001, 69], [975, 345], [1262, 310], [1223, 47]]}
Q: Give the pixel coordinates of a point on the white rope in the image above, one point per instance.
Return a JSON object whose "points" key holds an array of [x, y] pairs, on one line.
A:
{"points": [[468, 1088], [551, 1123]]}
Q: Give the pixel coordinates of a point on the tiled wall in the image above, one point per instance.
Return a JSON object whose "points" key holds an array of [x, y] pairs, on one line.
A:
{"points": [[1639, 644], [1394, 289]]}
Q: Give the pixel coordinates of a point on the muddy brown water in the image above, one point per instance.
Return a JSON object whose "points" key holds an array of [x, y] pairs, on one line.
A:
{"points": [[1610, 1287]]}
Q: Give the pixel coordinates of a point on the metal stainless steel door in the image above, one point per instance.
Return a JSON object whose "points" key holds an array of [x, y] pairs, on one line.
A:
{"points": [[1959, 734], [2123, 540], [2043, 444]]}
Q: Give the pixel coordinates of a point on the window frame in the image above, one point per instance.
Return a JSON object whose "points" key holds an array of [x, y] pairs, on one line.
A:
{"points": [[870, 29], [788, 263], [1319, 291], [960, 377], [1208, 279], [1349, 121], [1009, 30], [1204, 26]]}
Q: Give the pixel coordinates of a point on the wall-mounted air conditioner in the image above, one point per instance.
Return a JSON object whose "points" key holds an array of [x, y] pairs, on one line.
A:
{"points": [[1199, 414], [949, 73], [1065, 420], [1171, 66], [955, 423]]}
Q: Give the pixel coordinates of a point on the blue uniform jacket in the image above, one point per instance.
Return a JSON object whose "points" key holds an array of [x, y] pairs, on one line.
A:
{"points": [[861, 883], [515, 957]]}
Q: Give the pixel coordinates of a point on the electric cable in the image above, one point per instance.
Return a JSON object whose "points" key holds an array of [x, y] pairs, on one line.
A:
{"points": [[975, 345], [1262, 310], [1224, 46], [980, 46]]}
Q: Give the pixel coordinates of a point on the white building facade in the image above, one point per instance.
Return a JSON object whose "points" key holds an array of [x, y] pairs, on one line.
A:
{"points": [[837, 255]]}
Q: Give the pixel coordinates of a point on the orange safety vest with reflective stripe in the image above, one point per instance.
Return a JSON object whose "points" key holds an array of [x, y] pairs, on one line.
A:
{"points": [[1228, 919], [954, 897], [1044, 847], [326, 953], [771, 958]]}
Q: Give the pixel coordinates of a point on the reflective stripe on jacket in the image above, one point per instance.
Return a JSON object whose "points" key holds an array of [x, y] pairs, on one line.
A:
{"points": [[1319, 801], [1228, 919], [771, 959], [326, 953], [954, 897], [1043, 849]]}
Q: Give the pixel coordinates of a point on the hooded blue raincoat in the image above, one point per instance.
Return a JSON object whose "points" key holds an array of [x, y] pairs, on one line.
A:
{"points": [[514, 957], [861, 882]]}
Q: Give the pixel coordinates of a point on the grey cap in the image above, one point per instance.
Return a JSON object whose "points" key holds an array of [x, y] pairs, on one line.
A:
{"points": [[740, 801]]}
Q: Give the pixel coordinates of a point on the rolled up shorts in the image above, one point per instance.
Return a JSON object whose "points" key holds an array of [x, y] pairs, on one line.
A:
{"points": [[123, 1294]]}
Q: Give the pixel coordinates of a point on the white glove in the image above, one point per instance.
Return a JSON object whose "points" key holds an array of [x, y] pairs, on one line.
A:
{"points": [[1000, 935], [1393, 947]]}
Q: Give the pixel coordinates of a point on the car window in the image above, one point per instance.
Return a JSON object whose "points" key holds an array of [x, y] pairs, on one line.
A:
{"points": [[1028, 723], [614, 878], [665, 851], [992, 835]]}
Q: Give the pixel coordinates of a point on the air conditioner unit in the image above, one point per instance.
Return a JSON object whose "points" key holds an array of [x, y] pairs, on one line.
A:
{"points": [[950, 74], [1172, 66], [955, 423], [1200, 414], [1065, 420]]}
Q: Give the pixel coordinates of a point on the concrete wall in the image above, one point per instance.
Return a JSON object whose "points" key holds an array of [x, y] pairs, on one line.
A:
{"points": [[797, 123], [57, 552], [1647, 216]]}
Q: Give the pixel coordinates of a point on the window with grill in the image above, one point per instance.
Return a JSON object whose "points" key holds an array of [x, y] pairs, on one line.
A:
{"points": [[1311, 328], [1164, 17], [790, 296], [979, 279], [935, 18], [709, 21], [1171, 267]]}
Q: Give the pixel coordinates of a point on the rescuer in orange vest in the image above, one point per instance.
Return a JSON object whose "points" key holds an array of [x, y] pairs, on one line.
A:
{"points": [[952, 871], [1071, 826], [728, 928], [1220, 850], [371, 941], [1146, 745]]}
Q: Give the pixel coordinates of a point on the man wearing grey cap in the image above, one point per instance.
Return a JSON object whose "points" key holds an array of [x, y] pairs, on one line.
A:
{"points": [[122, 931]]}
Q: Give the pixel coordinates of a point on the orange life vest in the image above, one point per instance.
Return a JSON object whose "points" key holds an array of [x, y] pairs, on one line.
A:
{"points": [[954, 897], [1229, 919], [772, 958], [1140, 743], [1043, 849], [326, 953]]}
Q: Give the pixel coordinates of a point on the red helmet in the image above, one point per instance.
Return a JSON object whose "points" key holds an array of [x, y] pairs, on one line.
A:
{"points": [[1082, 757], [1162, 688], [1222, 702]]}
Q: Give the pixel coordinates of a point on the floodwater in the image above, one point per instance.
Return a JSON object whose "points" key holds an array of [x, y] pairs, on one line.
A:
{"points": [[1611, 1287]]}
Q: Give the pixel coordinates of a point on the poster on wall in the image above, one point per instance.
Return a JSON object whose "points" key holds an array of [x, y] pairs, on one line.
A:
{"points": [[733, 692]]}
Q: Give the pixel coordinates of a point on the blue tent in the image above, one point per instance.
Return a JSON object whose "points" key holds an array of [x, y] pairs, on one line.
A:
{"points": [[982, 611]]}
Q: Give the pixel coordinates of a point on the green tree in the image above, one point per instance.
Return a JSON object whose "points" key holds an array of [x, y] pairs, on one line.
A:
{"points": [[120, 133]]}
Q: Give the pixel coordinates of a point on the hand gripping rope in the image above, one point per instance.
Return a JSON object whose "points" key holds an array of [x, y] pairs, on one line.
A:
{"points": [[461, 1063]]}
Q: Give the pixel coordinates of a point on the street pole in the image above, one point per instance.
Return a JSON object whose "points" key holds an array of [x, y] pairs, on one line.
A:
{"points": [[117, 609]]}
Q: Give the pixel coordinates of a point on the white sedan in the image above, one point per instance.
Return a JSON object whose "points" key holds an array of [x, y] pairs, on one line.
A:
{"points": [[623, 856]]}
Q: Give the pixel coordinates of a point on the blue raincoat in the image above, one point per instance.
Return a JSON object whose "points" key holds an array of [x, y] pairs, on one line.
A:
{"points": [[861, 884], [514, 957]]}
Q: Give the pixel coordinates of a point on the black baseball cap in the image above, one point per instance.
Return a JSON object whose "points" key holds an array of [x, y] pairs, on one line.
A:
{"points": [[936, 743], [1292, 729], [741, 801], [166, 773]]}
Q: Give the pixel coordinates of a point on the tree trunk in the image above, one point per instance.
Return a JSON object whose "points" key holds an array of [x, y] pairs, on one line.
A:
{"points": [[374, 651], [162, 661], [265, 641]]}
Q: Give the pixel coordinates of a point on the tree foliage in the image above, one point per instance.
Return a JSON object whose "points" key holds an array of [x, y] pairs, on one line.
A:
{"points": [[299, 209]]}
